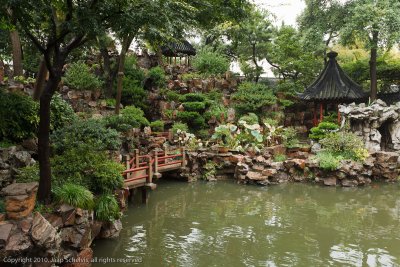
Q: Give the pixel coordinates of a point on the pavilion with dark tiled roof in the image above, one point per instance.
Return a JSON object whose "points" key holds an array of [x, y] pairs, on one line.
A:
{"points": [[331, 88], [181, 49]]}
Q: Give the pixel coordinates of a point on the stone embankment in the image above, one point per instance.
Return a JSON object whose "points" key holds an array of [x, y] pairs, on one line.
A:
{"points": [[300, 166], [61, 235]]}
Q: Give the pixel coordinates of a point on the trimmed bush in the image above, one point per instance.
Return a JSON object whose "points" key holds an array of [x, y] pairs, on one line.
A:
{"points": [[179, 126], [345, 144], [107, 208], [173, 96], [194, 106], [74, 195], [134, 113], [252, 98], [323, 130], [157, 126], [157, 75], [133, 94], [90, 132], [79, 77], [193, 119], [19, 117], [192, 97], [209, 62], [107, 177], [120, 123]]}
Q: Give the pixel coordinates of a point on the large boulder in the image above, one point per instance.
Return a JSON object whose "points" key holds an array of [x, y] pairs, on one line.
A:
{"points": [[20, 199], [43, 234]]}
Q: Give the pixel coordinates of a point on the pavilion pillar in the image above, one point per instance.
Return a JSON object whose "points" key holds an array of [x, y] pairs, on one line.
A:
{"points": [[315, 121], [321, 112]]}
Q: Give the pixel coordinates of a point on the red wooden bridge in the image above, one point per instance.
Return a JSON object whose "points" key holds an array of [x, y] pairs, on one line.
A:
{"points": [[142, 169]]}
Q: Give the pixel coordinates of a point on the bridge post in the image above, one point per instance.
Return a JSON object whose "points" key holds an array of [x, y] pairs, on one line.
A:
{"points": [[170, 135], [156, 161], [183, 156], [128, 175], [136, 158], [150, 177]]}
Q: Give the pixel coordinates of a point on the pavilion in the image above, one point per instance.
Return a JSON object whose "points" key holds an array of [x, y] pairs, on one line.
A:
{"points": [[331, 88], [183, 49]]}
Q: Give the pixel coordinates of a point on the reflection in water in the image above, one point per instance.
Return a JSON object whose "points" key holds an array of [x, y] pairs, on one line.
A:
{"points": [[224, 224]]}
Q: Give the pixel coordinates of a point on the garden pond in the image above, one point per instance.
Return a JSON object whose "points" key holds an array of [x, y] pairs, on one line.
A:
{"points": [[224, 224]]}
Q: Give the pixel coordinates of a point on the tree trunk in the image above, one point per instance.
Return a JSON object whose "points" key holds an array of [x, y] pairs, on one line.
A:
{"points": [[107, 71], [255, 63], [121, 64], [40, 80], [372, 67], [44, 191], [17, 53]]}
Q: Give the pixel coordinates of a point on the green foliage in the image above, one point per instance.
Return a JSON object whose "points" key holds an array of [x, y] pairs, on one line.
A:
{"points": [[133, 94], [28, 174], [224, 134], [190, 76], [157, 126], [328, 161], [79, 77], [191, 118], [290, 139], [214, 95], [19, 118], [252, 98], [322, 130], [106, 208], [194, 106], [6, 144], [135, 74], [157, 75], [285, 102], [345, 144], [74, 195], [62, 113], [280, 158], [173, 96], [179, 126], [216, 110], [271, 122], [210, 170], [107, 177], [249, 118], [120, 123], [209, 62], [110, 102], [192, 97], [91, 132], [134, 113]]}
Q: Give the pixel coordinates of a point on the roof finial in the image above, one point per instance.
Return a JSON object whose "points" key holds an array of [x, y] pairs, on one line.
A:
{"points": [[332, 54]]}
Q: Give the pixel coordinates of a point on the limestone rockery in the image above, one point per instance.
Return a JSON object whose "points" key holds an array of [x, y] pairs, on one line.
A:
{"points": [[299, 167]]}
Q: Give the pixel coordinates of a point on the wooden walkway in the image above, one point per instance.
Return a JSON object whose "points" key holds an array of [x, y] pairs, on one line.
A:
{"points": [[142, 169]]}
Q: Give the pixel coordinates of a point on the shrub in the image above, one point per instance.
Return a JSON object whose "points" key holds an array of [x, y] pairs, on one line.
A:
{"points": [[328, 161], [345, 144], [157, 75], [210, 62], [322, 130], [214, 95], [193, 119], [179, 126], [217, 111], [79, 77], [91, 132], [62, 113], [290, 139], [133, 94], [19, 117], [192, 97], [173, 96], [107, 177], [107, 208], [250, 118], [190, 76], [285, 102], [252, 98], [132, 71], [120, 123], [134, 113], [28, 174], [157, 126], [74, 195], [271, 122], [194, 106], [280, 158], [111, 102]]}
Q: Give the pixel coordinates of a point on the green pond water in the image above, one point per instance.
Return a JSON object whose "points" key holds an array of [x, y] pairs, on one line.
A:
{"points": [[225, 224]]}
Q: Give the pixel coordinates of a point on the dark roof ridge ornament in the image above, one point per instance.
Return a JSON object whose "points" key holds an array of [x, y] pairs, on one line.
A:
{"points": [[332, 54]]}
